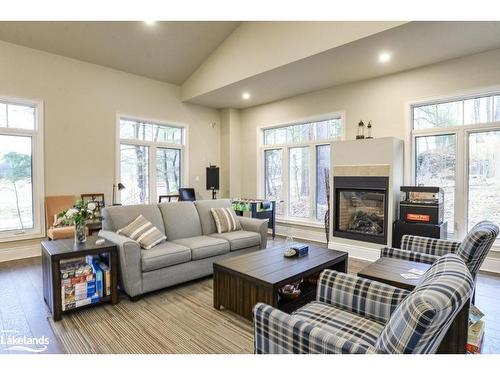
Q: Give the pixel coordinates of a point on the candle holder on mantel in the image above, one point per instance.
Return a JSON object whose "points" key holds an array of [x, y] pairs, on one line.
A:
{"points": [[369, 130], [361, 130]]}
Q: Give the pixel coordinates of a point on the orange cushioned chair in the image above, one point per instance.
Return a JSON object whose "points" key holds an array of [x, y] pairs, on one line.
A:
{"points": [[53, 206]]}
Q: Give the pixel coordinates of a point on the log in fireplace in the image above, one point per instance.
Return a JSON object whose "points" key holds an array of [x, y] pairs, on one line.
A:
{"points": [[360, 207]]}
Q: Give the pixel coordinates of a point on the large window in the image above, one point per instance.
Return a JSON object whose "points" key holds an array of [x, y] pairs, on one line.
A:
{"points": [[21, 184], [297, 167], [457, 147], [150, 160]]}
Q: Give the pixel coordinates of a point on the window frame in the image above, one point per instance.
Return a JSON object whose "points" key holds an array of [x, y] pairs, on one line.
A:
{"points": [[285, 147], [462, 133], [37, 157], [152, 147]]}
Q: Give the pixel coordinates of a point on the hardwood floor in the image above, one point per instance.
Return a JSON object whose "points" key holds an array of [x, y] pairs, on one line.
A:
{"points": [[23, 310]]}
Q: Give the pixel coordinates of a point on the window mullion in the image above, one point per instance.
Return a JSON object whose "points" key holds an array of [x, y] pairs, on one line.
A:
{"points": [[460, 187], [285, 184], [313, 181], [152, 174]]}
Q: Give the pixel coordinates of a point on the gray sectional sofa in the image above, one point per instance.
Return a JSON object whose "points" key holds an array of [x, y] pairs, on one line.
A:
{"points": [[192, 245]]}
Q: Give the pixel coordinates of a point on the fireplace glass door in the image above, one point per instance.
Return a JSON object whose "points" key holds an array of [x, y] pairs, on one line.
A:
{"points": [[361, 212]]}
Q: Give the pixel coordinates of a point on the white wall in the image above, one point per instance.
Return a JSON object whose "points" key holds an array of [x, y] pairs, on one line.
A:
{"points": [[81, 101], [382, 100]]}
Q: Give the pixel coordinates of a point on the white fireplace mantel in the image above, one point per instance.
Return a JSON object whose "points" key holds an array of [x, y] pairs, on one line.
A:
{"points": [[368, 157]]}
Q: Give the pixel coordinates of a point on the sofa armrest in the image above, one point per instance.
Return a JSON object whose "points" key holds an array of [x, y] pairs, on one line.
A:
{"points": [[129, 257], [364, 297], [414, 256], [256, 225], [428, 245], [279, 333]]}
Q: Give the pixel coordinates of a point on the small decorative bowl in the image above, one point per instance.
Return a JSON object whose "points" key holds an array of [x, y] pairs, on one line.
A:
{"points": [[290, 253]]}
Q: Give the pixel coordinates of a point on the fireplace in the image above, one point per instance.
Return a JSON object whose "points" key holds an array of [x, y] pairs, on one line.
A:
{"points": [[360, 207]]}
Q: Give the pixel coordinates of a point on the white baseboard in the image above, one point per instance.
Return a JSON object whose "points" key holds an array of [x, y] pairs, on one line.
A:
{"points": [[491, 265], [358, 252], [300, 233], [20, 252]]}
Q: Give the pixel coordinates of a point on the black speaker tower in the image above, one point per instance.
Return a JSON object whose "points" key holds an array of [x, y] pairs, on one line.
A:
{"points": [[213, 180]]}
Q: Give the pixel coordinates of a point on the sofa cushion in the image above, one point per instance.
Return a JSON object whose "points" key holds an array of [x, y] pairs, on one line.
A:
{"points": [[164, 255], [181, 220], [225, 220], [142, 231], [116, 217], [204, 210], [204, 246], [341, 323], [239, 239]]}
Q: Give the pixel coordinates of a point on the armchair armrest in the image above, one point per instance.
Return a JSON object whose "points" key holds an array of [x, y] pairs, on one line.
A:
{"points": [[364, 297], [428, 245], [256, 225], [280, 333], [129, 257], [414, 256]]}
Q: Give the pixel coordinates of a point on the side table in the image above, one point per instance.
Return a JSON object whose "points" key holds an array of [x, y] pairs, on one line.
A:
{"points": [[55, 251]]}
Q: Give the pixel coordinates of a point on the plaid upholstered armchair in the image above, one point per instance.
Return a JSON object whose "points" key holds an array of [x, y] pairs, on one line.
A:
{"points": [[356, 315], [473, 249]]}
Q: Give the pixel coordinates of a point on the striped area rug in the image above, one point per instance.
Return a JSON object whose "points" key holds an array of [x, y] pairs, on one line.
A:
{"points": [[180, 320]]}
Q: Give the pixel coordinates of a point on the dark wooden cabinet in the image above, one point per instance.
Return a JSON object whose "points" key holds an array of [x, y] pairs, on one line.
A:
{"points": [[55, 251], [400, 228]]}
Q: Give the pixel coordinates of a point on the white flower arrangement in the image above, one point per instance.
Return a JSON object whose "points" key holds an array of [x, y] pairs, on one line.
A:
{"points": [[79, 214], [70, 214]]}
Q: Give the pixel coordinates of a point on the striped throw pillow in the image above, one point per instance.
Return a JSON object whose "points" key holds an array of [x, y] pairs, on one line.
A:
{"points": [[142, 231], [225, 220]]}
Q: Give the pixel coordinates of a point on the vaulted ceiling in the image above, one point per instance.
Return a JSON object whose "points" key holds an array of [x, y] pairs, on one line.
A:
{"points": [[216, 62], [166, 51]]}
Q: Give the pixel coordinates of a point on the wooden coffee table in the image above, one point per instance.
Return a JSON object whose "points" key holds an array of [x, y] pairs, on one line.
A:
{"points": [[389, 270], [242, 281]]}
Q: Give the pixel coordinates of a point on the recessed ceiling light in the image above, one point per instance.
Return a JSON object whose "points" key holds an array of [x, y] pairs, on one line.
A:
{"points": [[384, 57], [245, 96], [150, 23]]}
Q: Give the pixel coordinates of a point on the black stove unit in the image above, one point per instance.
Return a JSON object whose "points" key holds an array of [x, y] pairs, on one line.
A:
{"points": [[421, 213], [422, 204]]}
